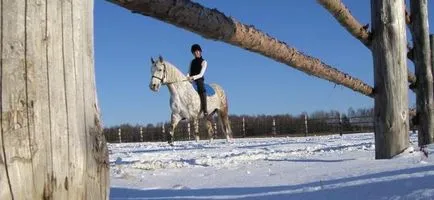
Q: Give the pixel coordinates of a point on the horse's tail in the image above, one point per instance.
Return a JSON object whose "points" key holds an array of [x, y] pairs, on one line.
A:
{"points": [[223, 111]]}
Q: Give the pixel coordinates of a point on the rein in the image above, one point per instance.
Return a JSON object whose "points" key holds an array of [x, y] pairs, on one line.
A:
{"points": [[164, 76]]}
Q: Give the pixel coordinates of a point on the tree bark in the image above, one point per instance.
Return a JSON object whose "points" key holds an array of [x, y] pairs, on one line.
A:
{"points": [[422, 60], [213, 24], [344, 17], [390, 70], [51, 144]]}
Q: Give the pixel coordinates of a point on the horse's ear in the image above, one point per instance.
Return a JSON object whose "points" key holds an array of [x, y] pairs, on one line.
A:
{"points": [[160, 58], [152, 60]]}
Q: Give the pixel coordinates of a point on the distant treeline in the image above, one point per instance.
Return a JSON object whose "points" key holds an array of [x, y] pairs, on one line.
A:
{"points": [[316, 123]]}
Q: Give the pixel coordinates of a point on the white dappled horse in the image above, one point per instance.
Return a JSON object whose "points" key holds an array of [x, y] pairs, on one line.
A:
{"points": [[185, 101]]}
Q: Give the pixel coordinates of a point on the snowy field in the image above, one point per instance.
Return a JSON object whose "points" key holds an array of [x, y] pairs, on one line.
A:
{"points": [[323, 167]]}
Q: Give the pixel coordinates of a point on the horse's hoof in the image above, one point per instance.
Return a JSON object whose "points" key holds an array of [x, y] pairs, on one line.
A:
{"points": [[170, 139]]}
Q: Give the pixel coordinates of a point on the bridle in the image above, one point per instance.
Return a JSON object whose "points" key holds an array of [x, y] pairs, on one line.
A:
{"points": [[164, 77]]}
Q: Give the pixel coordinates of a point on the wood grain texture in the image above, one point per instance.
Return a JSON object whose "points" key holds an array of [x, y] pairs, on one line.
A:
{"points": [[15, 132], [38, 97], [390, 72], [51, 144]]}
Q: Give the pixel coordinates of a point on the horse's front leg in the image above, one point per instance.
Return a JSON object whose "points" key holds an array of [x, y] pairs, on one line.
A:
{"points": [[173, 123]]}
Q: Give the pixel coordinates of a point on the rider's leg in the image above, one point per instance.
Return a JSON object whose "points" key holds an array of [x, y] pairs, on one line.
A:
{"points": [[202, 94]]}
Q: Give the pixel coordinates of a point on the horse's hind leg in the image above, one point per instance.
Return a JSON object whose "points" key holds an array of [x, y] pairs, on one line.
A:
{"points": [[225, 124], [220, 122], [210, 129], [173, 123]]}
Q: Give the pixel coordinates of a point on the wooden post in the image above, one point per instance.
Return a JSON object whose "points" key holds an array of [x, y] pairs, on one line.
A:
{"points": [[340, 125], [274, 128], [390, 74], [244, 128], [306, 131], [51, 144], [163, 131], [189, 130], [141, 134], [120, 135], [422, 62]]}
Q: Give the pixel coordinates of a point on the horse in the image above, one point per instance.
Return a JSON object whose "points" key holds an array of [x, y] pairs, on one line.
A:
{"points": [[185, 100]]}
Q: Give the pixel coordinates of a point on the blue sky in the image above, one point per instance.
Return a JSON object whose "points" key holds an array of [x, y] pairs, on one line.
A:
{"points": [[124, 43]]}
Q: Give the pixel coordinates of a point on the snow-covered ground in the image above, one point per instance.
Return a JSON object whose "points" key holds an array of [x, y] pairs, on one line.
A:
{"points": [[322, 167]]}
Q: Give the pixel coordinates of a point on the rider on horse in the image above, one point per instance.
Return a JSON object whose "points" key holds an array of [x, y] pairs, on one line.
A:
{"points": [[197, 70]]}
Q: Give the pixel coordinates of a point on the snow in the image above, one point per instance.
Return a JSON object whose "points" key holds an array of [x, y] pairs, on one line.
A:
{"points": [[321, 167]]}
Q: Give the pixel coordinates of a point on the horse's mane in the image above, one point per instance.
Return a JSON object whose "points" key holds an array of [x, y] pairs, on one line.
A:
{"points": [[173, 73]]}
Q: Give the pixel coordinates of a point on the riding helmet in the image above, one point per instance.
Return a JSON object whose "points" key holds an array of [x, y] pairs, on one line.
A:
{"points": [[195, 47]]}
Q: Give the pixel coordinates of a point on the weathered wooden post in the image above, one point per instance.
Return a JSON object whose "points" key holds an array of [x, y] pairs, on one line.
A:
{"points": [[141, 134], [189, 130], [244, 127], [274, 128], [163, 130], [390, 74], [51, 144], [340, 125], [422, 61], [120, 135]]}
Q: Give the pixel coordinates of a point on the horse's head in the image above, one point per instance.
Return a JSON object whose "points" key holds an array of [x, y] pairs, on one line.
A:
{"points": [[158, 72]]}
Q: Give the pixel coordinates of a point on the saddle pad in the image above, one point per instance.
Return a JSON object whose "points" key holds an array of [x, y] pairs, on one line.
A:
{"points": [[209, 90]]}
